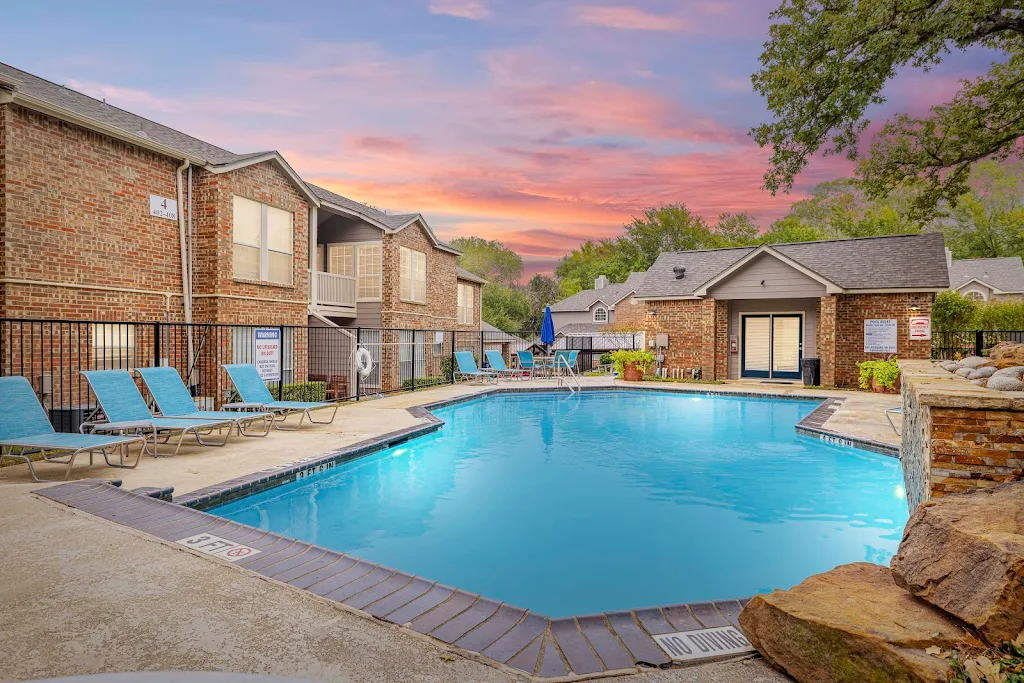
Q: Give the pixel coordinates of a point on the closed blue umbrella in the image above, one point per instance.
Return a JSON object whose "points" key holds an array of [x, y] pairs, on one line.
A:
{"points": [[547, 328]]}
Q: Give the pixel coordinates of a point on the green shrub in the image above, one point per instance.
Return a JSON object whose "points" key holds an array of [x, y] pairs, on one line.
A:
{"points": [[313, 392], [885, 372], [447, 368], [428, 381], [641, 359], [953, 311], [606, 359]]}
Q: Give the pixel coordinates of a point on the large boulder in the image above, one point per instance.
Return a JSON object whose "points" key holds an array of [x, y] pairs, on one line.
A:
{"points": [[982, 372], [964, 553], [1006, 354], [850, 625], [1004, 383]]}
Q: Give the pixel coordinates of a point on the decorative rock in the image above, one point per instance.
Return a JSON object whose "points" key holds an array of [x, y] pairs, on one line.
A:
{"points": [[972, 362], [981, 381], [964, 372], [964, 553], [1006, 354], [986, 371], [852, 623], [1015, 371], [949, 365], [1004, 383]]}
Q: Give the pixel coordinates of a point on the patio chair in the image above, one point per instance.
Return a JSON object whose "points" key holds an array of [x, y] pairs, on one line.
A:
{"points": [[25, 431], [254, 394], [565, 360], [468, 369], [125, 408], [526, 362], [173, 400], [497, 363]]}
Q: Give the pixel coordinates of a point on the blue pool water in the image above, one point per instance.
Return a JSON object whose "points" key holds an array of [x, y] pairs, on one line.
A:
{"points": [[612, 500]]}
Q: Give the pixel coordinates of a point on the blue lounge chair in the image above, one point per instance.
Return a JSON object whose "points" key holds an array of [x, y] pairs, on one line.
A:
{"points": [[497, 363], [173, 400], [25, 430], [255, 394], [469, 370], [526, 362], [123, 404]]}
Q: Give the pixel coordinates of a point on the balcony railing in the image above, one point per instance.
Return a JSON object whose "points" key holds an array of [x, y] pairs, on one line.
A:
{"points": [[333, 290]]}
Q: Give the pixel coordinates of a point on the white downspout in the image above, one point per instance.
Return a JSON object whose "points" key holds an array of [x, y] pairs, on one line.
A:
{"points": [[186, 276]]}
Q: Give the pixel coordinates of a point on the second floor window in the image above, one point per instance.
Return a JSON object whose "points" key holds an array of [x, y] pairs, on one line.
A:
{"points": [[361, 261], [465, 309], [413, 276], [263, 242], [600, 315]]}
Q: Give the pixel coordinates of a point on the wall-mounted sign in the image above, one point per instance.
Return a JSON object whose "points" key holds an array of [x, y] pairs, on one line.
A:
{"points": [[162, 207], [921, 328], [879, 336], [267, 353]]}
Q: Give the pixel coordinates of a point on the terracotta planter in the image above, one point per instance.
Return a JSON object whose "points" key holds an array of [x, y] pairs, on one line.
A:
{"points": [[631, 373], [879, 389]]}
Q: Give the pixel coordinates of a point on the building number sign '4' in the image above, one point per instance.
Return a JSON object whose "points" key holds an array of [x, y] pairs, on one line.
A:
{"points": [[162, 207]]}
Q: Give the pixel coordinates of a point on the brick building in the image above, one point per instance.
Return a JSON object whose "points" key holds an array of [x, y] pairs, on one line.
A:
{"points": [[107, 216], [756, 312]]}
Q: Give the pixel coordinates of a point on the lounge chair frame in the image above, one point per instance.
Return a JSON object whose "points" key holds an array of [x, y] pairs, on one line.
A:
{"points": [[280, 409]]}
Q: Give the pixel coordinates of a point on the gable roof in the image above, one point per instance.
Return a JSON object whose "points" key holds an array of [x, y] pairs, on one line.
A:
{"points": [[388, 222], [1003, 275], [496, 335], [609, 295], [463, 274], [910, 262]]}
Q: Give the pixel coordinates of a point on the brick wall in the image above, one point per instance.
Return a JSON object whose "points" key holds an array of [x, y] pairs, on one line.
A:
{"points": [[851, 312], [439, 311], [76, 207], [630, 314], [221, 297], [682, 320]]}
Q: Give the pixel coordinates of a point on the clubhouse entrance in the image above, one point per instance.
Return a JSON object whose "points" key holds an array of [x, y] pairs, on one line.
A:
{"points": [[771, 345]]}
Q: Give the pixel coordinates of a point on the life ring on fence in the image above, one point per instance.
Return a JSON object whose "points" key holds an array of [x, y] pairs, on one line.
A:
{"points": [[362, 362]]}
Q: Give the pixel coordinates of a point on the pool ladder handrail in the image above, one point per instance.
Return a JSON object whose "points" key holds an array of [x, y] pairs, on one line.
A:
{"points": [[564, 374]]}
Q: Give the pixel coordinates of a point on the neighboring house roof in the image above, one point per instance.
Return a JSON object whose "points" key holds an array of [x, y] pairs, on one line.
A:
{"points": [[908, 262], [609, 295], [1002, 275], [584, 329], [496, 335], [464, 274]]}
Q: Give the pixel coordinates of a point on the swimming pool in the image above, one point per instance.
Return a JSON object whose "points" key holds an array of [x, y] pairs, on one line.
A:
{"points": [[602, 501]]}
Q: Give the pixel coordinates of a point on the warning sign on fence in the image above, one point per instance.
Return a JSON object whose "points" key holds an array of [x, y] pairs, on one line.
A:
{"points": [[267, 352]]}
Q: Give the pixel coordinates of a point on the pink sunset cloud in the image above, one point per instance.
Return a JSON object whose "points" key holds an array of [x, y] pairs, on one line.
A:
{"points": [[466, 9], [628, 18]]}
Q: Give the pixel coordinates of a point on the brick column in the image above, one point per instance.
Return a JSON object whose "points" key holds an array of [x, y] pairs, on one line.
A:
{"points": [[721, 340], [708, 341], [826, 340]]}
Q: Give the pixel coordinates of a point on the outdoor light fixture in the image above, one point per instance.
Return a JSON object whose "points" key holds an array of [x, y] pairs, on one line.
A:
{"points": [[652, 313], [915, 308]]}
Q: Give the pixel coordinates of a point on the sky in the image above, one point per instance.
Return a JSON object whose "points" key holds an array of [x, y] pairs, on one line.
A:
{"points": [[540, 123]]}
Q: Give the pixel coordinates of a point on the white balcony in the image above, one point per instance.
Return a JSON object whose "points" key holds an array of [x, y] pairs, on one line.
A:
{"points": [[334, 294]]}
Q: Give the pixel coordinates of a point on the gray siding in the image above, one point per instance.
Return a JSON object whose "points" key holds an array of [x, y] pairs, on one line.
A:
{"points": [[780, 282], [567, 317], [344, 229], [808, 307], [367, 315]]}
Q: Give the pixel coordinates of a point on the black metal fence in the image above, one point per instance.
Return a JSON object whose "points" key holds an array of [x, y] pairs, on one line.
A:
{"points": [[947, 345], [297, 362]]}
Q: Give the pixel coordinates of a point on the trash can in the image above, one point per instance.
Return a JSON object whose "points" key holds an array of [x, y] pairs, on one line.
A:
{"points": [[811, 371]]}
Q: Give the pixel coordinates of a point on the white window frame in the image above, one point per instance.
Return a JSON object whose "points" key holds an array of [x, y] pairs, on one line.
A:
{"points": [[355, 265], [113, 345], [412, 275], [263, 246], [602, 309], [465, 309], [975, 295]]}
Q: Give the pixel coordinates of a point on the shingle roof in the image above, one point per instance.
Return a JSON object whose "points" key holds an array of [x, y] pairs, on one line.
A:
{"points": [[897, 261], [581, 328], [107, 114], [1005, 274], [610, 294], [464, 274], [496, 335]]}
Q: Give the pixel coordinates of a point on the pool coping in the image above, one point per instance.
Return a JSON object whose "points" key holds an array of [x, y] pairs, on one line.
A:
{"points": [[525, 641]]}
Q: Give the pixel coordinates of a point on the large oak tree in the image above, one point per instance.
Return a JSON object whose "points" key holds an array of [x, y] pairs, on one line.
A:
{"points": [[827, 61]]}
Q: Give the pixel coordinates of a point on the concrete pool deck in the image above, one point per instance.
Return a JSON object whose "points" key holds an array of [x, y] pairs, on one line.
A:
{"points": [[78, 599]]}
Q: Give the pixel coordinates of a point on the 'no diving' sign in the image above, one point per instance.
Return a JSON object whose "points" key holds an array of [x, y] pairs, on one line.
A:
{"points": [[219, 547]]}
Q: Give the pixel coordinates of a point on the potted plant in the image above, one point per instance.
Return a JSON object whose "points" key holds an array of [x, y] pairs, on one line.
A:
{"points": [[631, 365], [881, 376]]}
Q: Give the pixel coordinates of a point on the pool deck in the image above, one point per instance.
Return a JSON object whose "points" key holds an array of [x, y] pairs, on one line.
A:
{"points": [[71, 606]]}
